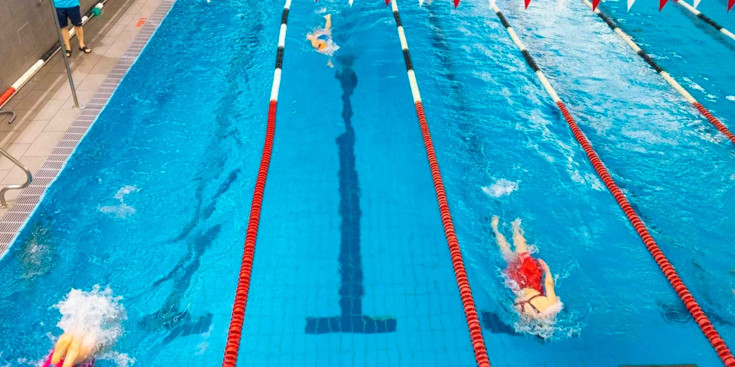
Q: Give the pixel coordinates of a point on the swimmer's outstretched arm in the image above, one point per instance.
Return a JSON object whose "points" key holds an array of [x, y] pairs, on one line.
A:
{"points": [[519, 241], [548, 282], [328, 24], [502, 242]]}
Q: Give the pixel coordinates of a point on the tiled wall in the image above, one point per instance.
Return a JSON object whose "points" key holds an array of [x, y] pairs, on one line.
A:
{"points": [[27, 31]]}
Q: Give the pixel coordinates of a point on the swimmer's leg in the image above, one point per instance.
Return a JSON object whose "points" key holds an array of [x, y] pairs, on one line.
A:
{"points": [[518, 240], [502, 242], [328, 24], [62, 345]]}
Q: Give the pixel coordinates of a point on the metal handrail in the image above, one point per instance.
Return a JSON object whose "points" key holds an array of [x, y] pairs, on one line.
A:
{"points": [[29, 178], [12, 115]]}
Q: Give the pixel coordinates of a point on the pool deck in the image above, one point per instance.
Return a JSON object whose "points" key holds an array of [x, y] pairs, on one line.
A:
{"points": [[48, 126]]}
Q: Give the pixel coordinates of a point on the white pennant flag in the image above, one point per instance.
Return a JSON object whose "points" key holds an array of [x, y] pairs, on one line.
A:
{"points": [[630, 4], [696, 3], [421, 2]]}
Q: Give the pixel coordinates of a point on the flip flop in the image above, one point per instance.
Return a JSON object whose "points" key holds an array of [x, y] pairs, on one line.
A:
{"points": [[85, 49], [68, 53]]}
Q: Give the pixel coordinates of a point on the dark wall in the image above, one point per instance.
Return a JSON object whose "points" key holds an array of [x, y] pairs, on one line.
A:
{"points": [[27, 31]]}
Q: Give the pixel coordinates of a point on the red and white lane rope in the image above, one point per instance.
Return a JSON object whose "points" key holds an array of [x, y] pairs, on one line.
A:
{"points": [[687, 96], [243, 283], [705, 18], [10, 92], [691, 304], [468, 302]]}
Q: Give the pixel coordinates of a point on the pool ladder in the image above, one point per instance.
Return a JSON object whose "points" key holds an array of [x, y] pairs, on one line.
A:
{"points": [[29, 175]]}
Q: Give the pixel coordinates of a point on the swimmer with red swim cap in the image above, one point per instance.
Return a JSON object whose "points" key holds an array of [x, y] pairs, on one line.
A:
{"points": [[535, 292]]}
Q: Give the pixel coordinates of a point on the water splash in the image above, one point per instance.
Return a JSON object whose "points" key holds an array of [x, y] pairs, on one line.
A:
{"points": [[94, 317], [542, 325], [501, 187], [122, 210]]}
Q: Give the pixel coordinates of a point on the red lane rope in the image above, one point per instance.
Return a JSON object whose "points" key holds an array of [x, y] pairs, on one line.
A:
{"points": [[473, 321], [714, 121], [681, 290], [243, 283]]}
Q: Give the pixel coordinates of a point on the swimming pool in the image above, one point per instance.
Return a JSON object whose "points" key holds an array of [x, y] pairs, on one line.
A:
{"points": [[154, 202]]}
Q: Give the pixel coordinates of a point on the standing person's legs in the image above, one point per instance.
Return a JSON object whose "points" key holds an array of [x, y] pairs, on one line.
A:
{"points": [[79, 30], [518, 240], [75, 15], [62, 14]]}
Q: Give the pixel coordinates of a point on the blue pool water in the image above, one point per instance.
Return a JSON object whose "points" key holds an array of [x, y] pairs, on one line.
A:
{"points": [[351, 265]]}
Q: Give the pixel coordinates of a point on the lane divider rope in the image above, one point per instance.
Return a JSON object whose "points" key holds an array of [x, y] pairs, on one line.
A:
{"points": [[243, 283], [671, 275], [705, 18], [10, 92], [669, 79], [468, 302]]}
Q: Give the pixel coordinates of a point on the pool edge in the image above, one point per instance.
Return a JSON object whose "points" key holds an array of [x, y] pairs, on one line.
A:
{"points": [[13, 222]]}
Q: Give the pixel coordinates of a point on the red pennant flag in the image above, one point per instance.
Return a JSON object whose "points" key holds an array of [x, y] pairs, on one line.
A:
{"points": [[456, 3], [594, 4], [661, 4], [387, 2], [528, 2], [730, 3]]}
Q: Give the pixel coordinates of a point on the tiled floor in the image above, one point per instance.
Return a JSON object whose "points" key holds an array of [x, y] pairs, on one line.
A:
{"points": [[44, 106]]}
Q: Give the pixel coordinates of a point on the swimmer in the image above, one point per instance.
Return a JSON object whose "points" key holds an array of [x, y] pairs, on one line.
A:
{"points": [[321, 39], [73, 351], [533, 296]]}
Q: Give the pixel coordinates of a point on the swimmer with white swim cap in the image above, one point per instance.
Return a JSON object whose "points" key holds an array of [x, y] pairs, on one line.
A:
{"points": [[321, 39]]}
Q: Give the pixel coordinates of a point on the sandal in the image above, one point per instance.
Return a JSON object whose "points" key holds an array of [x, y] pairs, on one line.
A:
{"points": [[85, 49], [68, 53]]}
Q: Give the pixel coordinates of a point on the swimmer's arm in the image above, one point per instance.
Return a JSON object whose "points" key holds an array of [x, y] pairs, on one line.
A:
{"points": [[328, 24], [548, 282]]}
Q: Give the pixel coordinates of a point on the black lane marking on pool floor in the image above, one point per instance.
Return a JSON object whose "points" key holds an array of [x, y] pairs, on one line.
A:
{"points": [[351, 290]]}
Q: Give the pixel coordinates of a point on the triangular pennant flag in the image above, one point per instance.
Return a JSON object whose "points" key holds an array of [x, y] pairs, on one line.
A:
{"points": [[594, 4], [527, 2], [387, 2], [730, 3], [630, 4], [456, 3], [661, 4], [421, 2], [696, 3]]}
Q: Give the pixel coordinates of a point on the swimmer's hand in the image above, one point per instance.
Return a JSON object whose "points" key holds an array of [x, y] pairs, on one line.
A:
{"points": [[71, 350]]}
